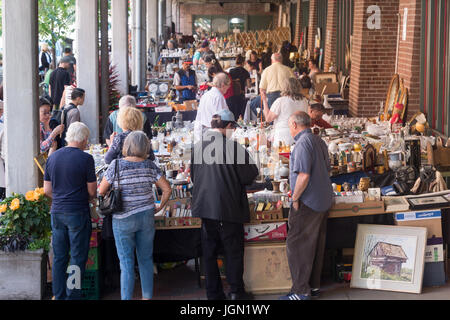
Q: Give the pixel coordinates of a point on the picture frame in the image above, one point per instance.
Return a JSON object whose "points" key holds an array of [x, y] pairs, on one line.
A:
{"points": [[392, 94], [326, 77], [390, 258], [374, 194], [428, 202], [395, 204]]}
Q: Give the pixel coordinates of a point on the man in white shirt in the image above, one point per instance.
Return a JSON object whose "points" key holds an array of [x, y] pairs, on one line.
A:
{"points": [[211, 103]]}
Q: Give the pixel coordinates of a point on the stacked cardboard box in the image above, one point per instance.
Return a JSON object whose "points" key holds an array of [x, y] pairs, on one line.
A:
{"points": [[434, 271]]}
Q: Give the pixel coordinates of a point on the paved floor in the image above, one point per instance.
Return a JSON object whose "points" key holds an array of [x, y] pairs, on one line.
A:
{"points": [[180, 283]]}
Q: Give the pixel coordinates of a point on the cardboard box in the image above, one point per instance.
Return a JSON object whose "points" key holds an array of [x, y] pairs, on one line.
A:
{"points": [[266, 268], [332, 88], [265, 231], [434, 253], [95, 239], [191, 104], [430, 219], [356, 209]]}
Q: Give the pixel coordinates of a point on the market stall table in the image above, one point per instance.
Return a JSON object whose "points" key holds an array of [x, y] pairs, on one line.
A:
{"points": [[167, 116]]}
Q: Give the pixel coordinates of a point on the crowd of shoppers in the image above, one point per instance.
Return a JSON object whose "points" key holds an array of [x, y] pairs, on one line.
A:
{"points": [[219, 188]]}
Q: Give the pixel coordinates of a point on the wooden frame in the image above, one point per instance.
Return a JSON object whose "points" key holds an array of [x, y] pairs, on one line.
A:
{"points": [[404, 101], [391, 96], [325, 77], [389, 258], [40, 161]]}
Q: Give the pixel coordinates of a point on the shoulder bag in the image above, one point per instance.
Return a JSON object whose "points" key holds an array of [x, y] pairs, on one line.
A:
{"points": [[111, 202]]}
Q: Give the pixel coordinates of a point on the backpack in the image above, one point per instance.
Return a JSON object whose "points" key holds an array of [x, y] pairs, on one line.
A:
{"points": [[59, 117]]}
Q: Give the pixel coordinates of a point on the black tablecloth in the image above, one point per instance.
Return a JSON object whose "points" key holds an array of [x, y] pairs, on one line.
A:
{"points": [[167, 116], [177, 245]]}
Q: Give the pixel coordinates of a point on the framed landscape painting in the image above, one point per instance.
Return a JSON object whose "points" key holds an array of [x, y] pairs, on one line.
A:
{"points": [[389, 258]]}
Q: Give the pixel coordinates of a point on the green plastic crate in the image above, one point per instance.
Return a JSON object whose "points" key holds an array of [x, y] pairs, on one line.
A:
{"points": [[90, 287]]}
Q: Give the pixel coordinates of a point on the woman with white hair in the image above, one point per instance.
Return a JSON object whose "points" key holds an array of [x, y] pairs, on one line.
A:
{"points": [[291, 100], [112, 128], [71, 183], [134, 225]]}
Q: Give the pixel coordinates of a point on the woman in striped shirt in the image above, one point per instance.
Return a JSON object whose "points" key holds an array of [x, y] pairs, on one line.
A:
{"points": [[134, 226]]}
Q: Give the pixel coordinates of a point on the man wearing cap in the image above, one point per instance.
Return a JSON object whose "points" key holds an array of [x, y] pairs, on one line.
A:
{"points": [[211, 103], [185, 81], [59, 80], [316, 111], [220, 171]]}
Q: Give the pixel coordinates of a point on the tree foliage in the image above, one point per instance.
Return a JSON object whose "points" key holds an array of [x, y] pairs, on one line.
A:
{"points": [[56, 20]]}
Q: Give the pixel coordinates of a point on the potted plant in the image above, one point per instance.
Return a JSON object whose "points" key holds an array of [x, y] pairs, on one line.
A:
{"points": [[25, 234]]}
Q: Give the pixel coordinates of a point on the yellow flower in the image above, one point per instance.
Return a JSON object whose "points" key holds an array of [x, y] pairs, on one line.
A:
{"points": [[40, 191], [15, 204], [37, 196], [30, 195], [3, 208]]}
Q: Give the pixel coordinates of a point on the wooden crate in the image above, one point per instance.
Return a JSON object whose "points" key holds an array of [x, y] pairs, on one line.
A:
{"points": [[266, 268]]}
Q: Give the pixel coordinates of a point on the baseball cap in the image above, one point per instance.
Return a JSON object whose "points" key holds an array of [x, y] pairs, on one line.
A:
{"points": [[227, 115]]}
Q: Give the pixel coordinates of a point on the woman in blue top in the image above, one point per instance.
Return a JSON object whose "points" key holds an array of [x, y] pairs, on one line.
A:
{"points": [[134, 226]]}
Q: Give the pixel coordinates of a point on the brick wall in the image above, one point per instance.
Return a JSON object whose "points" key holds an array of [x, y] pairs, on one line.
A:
{"points": [[298, 23], [330, 37], [187, 10], [373, 57], [312, 27], [409, 53]]}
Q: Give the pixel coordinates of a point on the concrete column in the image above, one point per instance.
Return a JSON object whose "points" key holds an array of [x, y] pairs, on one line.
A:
{"points": [[104, 60], [138, 44], [119, 52], [20, 71], [169, 15], [161, 18], [152, 30], [86, 48]]}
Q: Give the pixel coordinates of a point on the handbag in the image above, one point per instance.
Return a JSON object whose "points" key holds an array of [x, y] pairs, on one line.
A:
{"points": [[111, 202]]}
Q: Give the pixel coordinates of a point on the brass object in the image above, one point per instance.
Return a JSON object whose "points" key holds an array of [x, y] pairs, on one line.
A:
{"points": [[364, 184], [346, 186]]}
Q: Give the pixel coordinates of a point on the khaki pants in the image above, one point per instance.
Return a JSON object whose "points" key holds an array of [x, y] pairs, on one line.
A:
{"points": [[305, 247]]}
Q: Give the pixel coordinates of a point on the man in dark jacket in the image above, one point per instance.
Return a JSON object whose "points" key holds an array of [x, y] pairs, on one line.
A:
{"points": [[220, 170]]}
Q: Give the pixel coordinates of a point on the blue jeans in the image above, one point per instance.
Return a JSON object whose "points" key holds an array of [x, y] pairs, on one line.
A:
{"points": [[71, 232], [135, 232], [256, 102]]}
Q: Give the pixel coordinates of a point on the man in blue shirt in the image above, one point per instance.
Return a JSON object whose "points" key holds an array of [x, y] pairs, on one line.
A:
{"points": [[312, 197], [185, 81], [71, 182]]}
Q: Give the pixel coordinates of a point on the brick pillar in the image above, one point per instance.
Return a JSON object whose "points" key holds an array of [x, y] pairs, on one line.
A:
{"points": [[373, 57], [409, 53], [312, 27], [298, 23], [331, 36]]}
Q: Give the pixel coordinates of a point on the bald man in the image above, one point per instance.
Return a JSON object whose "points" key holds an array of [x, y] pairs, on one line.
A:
{"points": [[271, 81]]}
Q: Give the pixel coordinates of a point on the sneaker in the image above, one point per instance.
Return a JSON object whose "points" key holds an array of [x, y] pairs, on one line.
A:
{"points": [[294, 296], [315, 292]]}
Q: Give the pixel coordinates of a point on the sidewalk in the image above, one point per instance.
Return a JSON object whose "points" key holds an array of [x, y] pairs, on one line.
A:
{"points": [[180, 283]]}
